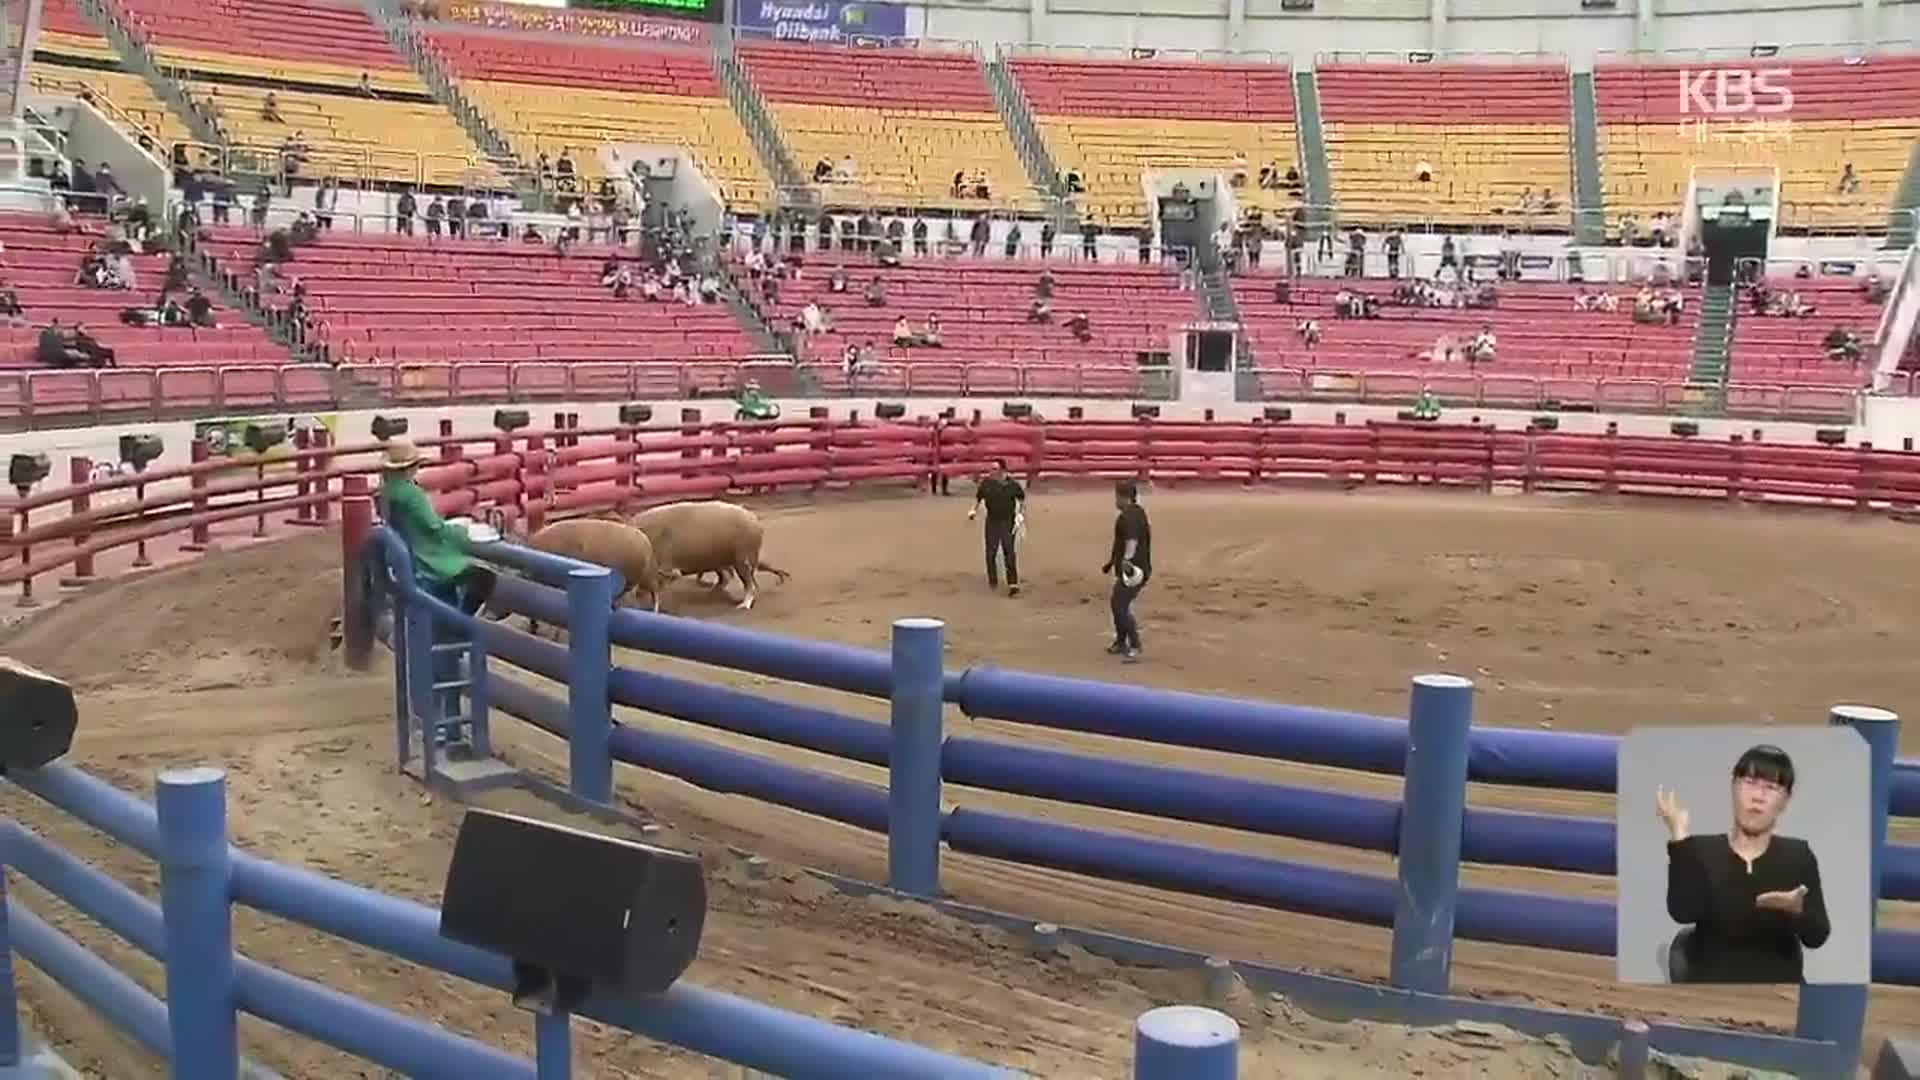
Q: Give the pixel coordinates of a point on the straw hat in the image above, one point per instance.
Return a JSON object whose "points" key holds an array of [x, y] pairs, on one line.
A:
{"points": [[401, 454]]}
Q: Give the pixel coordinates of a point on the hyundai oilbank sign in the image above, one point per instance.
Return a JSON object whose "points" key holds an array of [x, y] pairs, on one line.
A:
{"points": [[821, 20]]}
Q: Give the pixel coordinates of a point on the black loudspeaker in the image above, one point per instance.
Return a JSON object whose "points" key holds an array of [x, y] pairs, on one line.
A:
{"points": [[26, 470], [1146, 412], [1544, 422], [141, 451], [1076, 412], [689, 416], [1016, 410], [387, 427], [1279, 414], [817, 412], [1686, 429], [635, 414], [576, 911], [510, 420], [37, 716], [1831, 436], [889, 410], [263, 437]]}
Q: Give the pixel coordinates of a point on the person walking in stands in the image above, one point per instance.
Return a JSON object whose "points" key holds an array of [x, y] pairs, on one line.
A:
{"points": [[1005, 501], [1131, 564], [440, 561]]}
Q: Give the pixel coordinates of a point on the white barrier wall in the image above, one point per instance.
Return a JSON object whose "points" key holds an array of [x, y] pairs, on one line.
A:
{"points": [[1355, 26]]}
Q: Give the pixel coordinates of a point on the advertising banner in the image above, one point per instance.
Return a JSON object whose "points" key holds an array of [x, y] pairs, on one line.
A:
{"points": [[827, 21], [621, 24]]}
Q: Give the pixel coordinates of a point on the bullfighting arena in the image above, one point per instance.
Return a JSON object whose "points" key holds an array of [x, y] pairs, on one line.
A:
{"points": [[1574, 613]]}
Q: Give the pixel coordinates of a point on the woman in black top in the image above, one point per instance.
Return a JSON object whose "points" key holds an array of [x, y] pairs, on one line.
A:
{"points": [[1753, 898]]}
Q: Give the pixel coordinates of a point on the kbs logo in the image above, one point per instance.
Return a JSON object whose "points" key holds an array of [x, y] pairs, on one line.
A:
{"points": [[1723, 92]]}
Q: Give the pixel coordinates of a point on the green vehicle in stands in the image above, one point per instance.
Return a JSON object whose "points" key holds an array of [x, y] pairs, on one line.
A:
{"points": [[751, 403]]}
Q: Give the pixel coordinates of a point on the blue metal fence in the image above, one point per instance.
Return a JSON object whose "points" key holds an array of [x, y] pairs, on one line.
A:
{"points": [[1424, 904]]}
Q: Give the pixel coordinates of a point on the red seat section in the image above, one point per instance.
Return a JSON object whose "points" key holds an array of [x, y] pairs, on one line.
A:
{"points": [[386, 298], [1776, 349], [257, 33], [40, 265], [1539, 333], [1496, 135]]}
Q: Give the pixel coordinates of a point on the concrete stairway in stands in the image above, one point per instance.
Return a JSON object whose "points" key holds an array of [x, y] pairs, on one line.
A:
{"points": [[1903, 225], [1589, 200], [1712, 340], [139, 61], [1313, 153], [789, 180], [1018, 116], [399, 28]]}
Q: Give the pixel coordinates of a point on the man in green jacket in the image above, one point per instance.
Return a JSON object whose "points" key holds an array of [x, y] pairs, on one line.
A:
{"points": [[440, 561]]}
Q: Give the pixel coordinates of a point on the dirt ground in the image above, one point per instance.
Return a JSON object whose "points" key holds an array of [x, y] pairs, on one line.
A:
{"points": [[1569, 613]]}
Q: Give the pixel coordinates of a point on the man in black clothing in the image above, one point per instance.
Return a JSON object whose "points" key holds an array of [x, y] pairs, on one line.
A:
{"points": [[1005, 501], [1752, 898], [1131, 564]]}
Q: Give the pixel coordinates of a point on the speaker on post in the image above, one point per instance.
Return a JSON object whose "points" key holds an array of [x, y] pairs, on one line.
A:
{"points": [[576, 911], [37, 716]]}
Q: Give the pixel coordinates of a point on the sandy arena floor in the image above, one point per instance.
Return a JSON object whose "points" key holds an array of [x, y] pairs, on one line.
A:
{"points": [[1568, 613]]}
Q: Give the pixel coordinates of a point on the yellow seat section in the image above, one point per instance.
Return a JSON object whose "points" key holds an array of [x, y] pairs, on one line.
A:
{"points": [[1112, 152], [1648, 166], [1480, 172], [539, 119], [353, 138], [382, 79], [126, 99], [905, 158], [85, 46]]}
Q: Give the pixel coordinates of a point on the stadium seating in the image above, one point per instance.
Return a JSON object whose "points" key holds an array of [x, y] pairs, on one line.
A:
{"points": [[385, 298], [909, 119], [1534, 325], [1652, 137], [1112, 121], [311, 54], [549, 96], [40, 265], [1492, 132], [71, 56], [982, 306], [1772, 349]]}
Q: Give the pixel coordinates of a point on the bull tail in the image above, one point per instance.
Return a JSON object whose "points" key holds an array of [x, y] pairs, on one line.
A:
{"points": [[775, 571]]}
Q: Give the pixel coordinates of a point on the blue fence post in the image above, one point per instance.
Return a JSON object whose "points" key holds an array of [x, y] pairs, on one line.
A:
{"points": [[1838, 1014], [552, 1046], [195, 887], [479, 698], [913, 761], [589, 654], [1186, 1042], [1433, 807], [422, 703], [10, 1018]]}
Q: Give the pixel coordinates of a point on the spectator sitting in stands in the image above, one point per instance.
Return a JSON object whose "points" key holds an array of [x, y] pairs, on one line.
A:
{"points": [[10, 308], [1484, 295], [277, 248], [1661, 229], [1074, 184], [61, 348], [1790, 306], [709, 289], [1080, 327], [1481, 349], [1237, 174], [170, 313], [609, 271], [837, 280], [1283, 291], [177, 272], [200, 310], [876, 292], [366, 86], [1040, 311], [1528, 202], [848, 172], [1586, 301], [1309, 331], [978, 183], [270, 109], [650, 287], [889, 253], [63, 220], [1876, 288], [903, 333], [1842, 344], [304, 229], [531, 235], [563, 171], [1423, 171], [622, 283], [1270, 176], [1044, 284], [930, 337], [1849, 182], [1671, 305], [813, 318]]}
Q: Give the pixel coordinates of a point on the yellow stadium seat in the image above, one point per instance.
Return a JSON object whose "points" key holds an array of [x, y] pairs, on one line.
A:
{"points": [[126, 99], [1111, 153], [1480, 171], [906, 158], [1647, 167], [191, 62], [541, 119], [353, 138]]}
